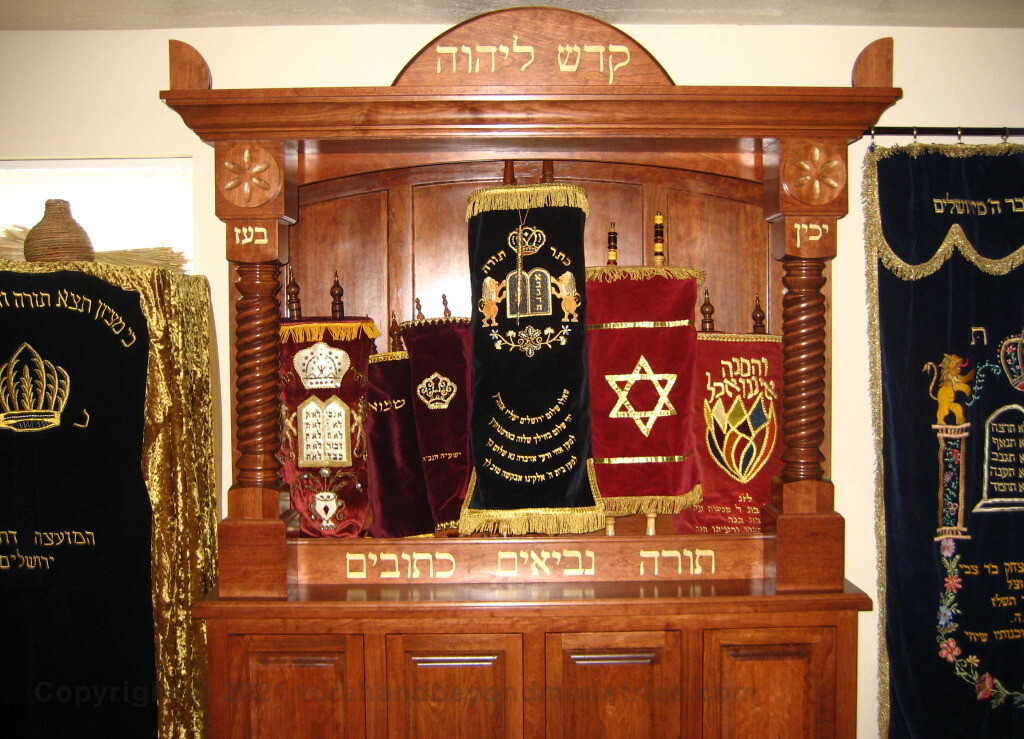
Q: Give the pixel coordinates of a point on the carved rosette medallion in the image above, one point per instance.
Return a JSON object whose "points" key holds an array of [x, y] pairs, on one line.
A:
{"points": [[248, 176], [814, 174]]}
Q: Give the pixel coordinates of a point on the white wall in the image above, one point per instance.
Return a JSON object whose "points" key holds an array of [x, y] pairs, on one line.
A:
{"points": [[95, 94]]}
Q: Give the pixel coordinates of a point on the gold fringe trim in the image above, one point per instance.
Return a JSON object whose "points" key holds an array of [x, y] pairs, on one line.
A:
{"points": [[614, 273], [432, 321], [707, 336], [663, 505], [639, 324], [956, 240], [340, 331], [522, 521], [521, 197], [388, 357]]}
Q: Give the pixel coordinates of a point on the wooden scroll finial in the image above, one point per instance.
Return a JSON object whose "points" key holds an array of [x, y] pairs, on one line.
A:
{"points": [[707, 312], [337, 304], [613, 244], [509, 178], [444, 301], [293, 306], [547, 171], [659, 239], [419, 310], [758, 317], [394, 334]]}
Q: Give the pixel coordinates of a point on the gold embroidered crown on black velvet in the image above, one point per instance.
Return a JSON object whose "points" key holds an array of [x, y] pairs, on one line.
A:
{"points": [[33, 391], [436, 391]]}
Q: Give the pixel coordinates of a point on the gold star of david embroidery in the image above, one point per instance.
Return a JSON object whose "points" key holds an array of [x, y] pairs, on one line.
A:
{"points": [[622, 384]]}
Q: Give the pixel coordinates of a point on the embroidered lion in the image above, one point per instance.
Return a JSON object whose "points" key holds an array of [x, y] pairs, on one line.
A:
{"points": [[564, 288], [948, 376], [492, 293]]}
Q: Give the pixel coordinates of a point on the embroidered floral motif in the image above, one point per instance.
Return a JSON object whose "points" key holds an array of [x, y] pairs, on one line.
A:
{"points": [[986, 687], [530, 340]]}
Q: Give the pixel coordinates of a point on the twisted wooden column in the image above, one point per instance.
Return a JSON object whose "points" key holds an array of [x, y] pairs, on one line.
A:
{"points": [[257, 342], [803, 368]]}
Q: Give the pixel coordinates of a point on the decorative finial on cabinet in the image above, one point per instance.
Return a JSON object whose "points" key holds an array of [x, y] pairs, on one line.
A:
{"points": [[547, 171], [758, 317], [337, 304], [444, 301], [419, 310], [395, 334], [509, 177], [293, 306], [707, 311], [613, 244], [659, 239]]}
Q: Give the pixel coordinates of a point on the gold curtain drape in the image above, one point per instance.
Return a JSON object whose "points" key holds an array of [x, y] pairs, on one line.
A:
{"points": [[178, 466]]}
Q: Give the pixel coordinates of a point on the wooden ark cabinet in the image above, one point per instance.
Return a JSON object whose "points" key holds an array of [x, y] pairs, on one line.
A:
{"points": [[734, 634]]}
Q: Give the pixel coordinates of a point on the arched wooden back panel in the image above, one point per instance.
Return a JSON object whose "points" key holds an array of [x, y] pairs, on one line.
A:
{"points": [[401, 234]]}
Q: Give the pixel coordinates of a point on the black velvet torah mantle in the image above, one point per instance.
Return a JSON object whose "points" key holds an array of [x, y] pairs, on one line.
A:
{"points": [[76, 623], [530, 425]]}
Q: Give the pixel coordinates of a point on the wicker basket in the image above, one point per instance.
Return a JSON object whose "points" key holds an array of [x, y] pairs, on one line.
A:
{"points": [[58, 237]]}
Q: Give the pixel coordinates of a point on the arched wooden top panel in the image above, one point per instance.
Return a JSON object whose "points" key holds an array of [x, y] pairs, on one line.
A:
{"points": [[532, 47]]}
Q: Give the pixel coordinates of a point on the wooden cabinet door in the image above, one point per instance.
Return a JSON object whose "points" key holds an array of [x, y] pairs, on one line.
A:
{"points": [[302, 686], [777, 682], [455, 685], [625, 684]]}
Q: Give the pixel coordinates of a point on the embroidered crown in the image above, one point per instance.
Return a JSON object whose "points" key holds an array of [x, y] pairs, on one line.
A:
{"points": [[33, 391], [436, 391], [321, 365]]}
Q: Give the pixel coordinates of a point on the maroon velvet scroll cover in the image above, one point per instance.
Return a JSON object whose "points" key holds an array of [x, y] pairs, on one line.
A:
{"points": [[737, 431], [641, 340], [439, 352], [398, 490], [323, 406]]}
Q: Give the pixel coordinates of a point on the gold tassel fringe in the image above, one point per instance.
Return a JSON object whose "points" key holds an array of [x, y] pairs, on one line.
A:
{"points": [[432, 321], [614, 273], [523, 521], [310, 332], [657, 504], [522, 197], [955, 240]]}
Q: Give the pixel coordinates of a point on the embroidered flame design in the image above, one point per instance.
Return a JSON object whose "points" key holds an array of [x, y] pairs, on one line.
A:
{"points": [[741, 437]]}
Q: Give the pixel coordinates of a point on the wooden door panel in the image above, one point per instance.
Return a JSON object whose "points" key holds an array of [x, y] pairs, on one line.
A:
{"points": [[310, 685], [455, 685], [776, 682], [348, 234], [727, 239], [624, 684]]}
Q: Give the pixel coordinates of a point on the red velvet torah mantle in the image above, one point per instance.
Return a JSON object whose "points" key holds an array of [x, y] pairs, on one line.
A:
{"points": [[737, 431], [641, 340], [398, 490], [323, 406]]}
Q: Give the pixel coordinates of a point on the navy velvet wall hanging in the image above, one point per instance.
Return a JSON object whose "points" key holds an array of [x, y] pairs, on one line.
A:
{"points": [[945, 229]]}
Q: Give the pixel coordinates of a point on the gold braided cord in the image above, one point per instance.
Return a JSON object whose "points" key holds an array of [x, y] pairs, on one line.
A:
{"points": [[523, 197], [178, 468], [388, 357], [716, 336], [522, 521], [662, 505], [956, 240], [338, 330], [614, 273], [639, 324]]}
